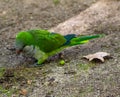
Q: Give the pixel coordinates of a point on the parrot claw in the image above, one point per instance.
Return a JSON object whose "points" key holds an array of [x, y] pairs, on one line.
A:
{"points": [[37, 65]]}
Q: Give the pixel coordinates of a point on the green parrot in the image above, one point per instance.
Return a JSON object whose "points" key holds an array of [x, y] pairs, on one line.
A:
{"points": [[46, 44]]}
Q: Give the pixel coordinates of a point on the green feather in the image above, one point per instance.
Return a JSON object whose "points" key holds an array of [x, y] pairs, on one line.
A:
{"points": [[47, 41], [83, 39], [23, 39], [47, 44]]}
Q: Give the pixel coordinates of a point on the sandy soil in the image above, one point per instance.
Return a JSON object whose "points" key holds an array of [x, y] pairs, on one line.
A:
{"points": [[78, 77]]}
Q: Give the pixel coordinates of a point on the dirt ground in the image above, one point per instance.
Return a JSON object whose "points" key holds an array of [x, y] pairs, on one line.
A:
{"points": [[78, 77]]}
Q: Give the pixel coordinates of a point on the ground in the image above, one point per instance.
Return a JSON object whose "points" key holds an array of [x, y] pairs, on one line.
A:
{"points": [[78, 77]]}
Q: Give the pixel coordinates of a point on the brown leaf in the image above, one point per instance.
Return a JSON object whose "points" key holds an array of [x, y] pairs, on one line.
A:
{"points": [[23, 92], [99, 55]]}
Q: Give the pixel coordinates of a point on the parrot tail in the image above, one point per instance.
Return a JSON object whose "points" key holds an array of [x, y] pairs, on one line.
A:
{"points": [[68, 38], [72, 39]]}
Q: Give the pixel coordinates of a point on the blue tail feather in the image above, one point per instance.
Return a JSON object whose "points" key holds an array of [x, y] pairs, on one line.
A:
{"points": [[68, 38]]}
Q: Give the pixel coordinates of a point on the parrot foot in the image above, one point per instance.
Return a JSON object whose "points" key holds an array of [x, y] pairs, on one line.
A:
{"points": [[42, 60], [37, 65]]}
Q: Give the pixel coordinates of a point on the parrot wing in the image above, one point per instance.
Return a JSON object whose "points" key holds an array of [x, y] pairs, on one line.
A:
{"points": [[47, 41]]}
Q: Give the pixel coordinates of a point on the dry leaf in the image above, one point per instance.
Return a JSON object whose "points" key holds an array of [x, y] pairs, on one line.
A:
{"points": [[98, 55], [23, 92]]}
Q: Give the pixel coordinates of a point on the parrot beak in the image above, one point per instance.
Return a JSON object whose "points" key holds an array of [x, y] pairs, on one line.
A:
{"points": [[18, 51]]}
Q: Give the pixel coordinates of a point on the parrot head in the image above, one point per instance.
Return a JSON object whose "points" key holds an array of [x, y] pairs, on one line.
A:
{"points": [[19, 45], [22, 39]]}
